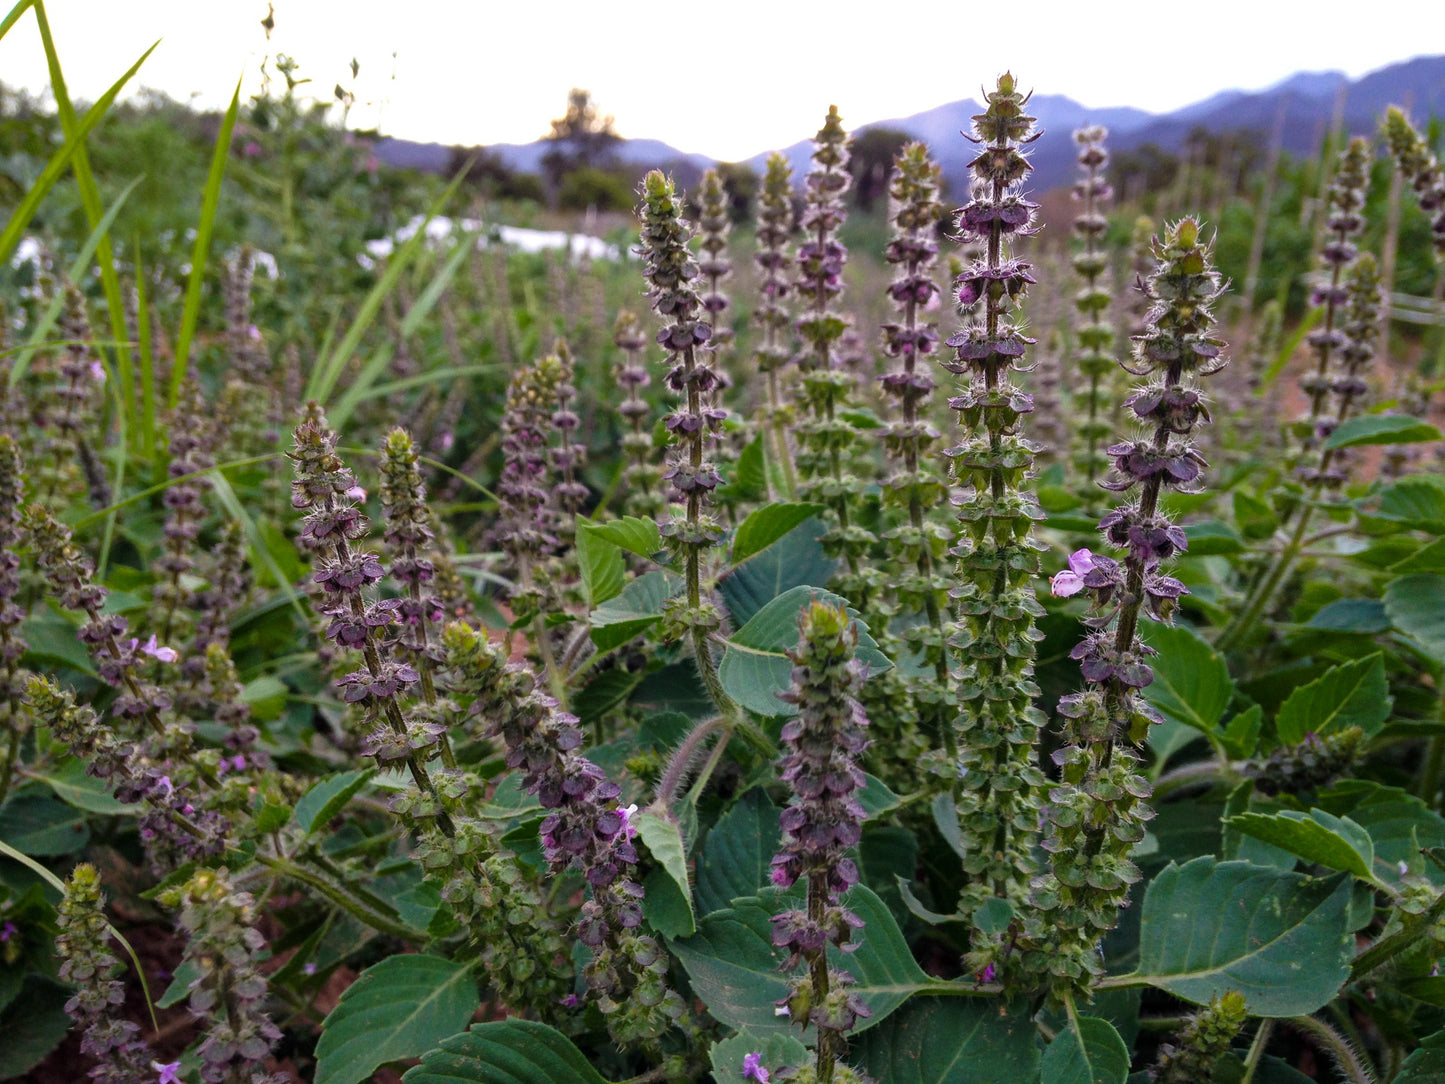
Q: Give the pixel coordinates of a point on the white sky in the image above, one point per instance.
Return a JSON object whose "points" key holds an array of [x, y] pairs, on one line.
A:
{"points": [[727, 79]]}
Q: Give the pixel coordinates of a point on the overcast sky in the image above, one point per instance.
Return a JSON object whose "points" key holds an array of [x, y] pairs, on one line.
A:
{"points": [[723, 79]]}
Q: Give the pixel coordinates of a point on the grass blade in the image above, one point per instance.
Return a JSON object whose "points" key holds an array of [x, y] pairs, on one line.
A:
{"points": [[23, 213], [147, 360], [191, 312], [73, 273], [232, 504], [14, 16], [418, 312], [329, 367]]}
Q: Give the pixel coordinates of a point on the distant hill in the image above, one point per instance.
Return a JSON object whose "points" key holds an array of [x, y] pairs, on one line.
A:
{"points": [[1307, 101]]}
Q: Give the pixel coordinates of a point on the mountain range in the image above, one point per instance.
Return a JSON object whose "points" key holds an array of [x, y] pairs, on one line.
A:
{"points": [[1303, 104]]}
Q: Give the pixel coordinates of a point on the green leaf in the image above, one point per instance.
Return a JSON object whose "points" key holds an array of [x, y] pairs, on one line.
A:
{"points": [[1417, 503], [792, 561], [634, 611], [775, 1051], [603, 693], [329, 797], [32, 1026], [1279, 938], [1241, 736], [74, 786], [663, 840], [1089, 1053], [505, 1052], [632, 533], [950, 1040], [1256, 519], [734, 966], [738, 852], [1364, 616], [755, 666], [886, 855], [187, 972], [399, 1008], [51, 639], [1191, 680], [36, 824], [748, 482], [1399, 825], [1427, 1064], [210, 200], [1430, 558], [1211, 538], [600, 563], [1416, 605], [1316, 836], [766, 525], [1380, 429], [1352, 694]]}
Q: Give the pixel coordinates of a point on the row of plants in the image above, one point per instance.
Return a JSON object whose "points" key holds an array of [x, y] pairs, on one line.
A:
{"points": [[715, 699]]}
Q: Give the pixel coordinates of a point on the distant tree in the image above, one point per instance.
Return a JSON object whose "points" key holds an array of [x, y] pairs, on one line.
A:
{"points": [[873, 152], [582, 138], [597, 188]]}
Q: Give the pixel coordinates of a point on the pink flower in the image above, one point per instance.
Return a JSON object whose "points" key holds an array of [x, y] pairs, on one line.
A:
{"points": [[753, 1068], [164, 782], [254, 332], [309, 969], [356, 493], [252, 149], [1071, 580], [97, 372], [8, 931], [570, 1001], [167, 1072], [155, 651], [988, 974]]}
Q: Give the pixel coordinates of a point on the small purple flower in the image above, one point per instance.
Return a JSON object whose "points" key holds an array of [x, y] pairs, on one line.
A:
{"points": [[254, 332], [97, 372], [1071, 580], [8, 931], [753, 1068], [155, 651], [571, 1001], [356, 493], [627, 813], [309, 969], [164, 782], [167, 1072], [988, 973]]}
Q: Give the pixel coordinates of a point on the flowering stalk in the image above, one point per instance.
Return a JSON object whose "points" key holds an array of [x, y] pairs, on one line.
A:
{"points": [[775, 232], [225, 592], [1095, 336], [81, 375], [585, 829], [1418, 164], [1097, 811], [999, 788], [1202, 1042], [826, 442], [326, 490], [913, 251], [190, 451], [642, 475], [121, 1055], [670, 270], [13, 721], [568, 456], [713, 227], [822, 823]]}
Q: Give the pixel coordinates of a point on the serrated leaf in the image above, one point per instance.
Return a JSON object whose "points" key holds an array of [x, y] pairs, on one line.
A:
{"points": [[505, 1052], [1380, 429], [1281, 939], [1364, 616], [755, 666], [1430, 558], [1316, 836], [1212, 538], [399, 1008], [634, 611], [793, 560], [632, 533], [738, 852], [748, 481], [75, 786], [1089, 1053], [1416, 605], [774, 1051], [663, 840], [766, 525], [599, 562], [1191, 680], [734, 966], [950, 1040], [1426, 1065], [51, 639], [38, 825], [1416, 503], [1241, 736], [329, 797], [32, 1025], [1352, 694], [1399, 824]]}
